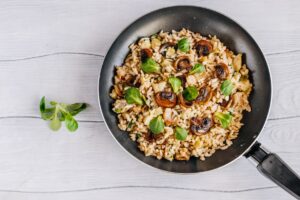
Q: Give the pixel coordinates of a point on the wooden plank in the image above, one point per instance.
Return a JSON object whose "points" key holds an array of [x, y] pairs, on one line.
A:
{"points": [[153, 193], [73, 77], [33, 158], [36, 27]]}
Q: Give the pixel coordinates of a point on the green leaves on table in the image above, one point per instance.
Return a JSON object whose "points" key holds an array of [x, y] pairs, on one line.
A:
{"points": [[224, 118], [175, 83], [133, 96], [198, 68], [157, 125], [180, 133], [183, 45], [150, 66], [227, 87], [56, 113], [190, 93]]}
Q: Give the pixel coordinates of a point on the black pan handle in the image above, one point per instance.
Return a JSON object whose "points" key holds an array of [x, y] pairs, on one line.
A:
{"points": [[271, 166]]}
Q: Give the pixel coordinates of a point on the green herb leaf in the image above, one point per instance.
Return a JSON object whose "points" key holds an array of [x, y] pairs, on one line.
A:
{"points": [[42, 104], [175, 83], [224, 119], [133, 96], [227, 87], [76, 108], [58, 112], [71, 123], [150, 66], [157, 125], [198, 68], [48, 113], [184, 45], [55, 124], [180, 133], [190, 93], [61, 115]]}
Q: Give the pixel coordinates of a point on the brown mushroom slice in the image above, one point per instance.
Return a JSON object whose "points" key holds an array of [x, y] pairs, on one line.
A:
{"points": [[184, 102], [225, 103], [146, 53], [166, 99], [164, 47], [200, 126], [222, 71], [132, 80], [183, 62], [203, 47], [150, 137], [204, 96]]}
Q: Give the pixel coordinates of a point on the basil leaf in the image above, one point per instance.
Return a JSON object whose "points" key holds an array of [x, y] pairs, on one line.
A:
{"points": [[190, 93], [133, 96], [184, 45], [157, 125], [150, 66], [76, 108], [55, 124], [71, 123], [175, 83], [227, 87], [198, 68], [180, 133], [224, 119]]}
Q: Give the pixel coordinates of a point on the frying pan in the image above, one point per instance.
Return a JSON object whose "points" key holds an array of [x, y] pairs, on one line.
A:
{"points": [[235, 38]]}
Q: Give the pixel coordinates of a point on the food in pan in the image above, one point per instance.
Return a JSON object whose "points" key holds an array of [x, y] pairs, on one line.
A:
{"points": [[180, 94]]}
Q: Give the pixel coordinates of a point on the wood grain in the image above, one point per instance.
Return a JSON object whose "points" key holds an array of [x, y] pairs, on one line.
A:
{"points": [[56, 48], [74, 77]]}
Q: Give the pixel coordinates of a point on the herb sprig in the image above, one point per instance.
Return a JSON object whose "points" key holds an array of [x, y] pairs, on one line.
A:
{"points": [[56, 113]]}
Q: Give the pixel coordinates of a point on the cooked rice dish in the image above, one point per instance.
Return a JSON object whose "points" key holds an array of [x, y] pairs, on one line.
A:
{"points": [[180, 94]]}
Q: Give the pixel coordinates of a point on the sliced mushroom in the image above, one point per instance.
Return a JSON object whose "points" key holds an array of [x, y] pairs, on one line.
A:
{"points": [[200, 126], [222, 71], [183, 62], [131, 80], [166, 99], [225, 102], [164, 47], [184, 102], [203, 47], [150, 137], [146, 53], [204, 96]]}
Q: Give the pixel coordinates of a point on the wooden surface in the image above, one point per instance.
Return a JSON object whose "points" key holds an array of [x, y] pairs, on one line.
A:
{"points": [[56, 49]]}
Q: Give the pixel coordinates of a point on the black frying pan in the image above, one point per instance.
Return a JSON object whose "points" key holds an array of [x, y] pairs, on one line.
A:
{"points": [[237, 39]]}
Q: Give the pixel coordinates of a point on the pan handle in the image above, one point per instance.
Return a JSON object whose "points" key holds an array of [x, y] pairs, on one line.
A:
{"points": [[271, 166]]}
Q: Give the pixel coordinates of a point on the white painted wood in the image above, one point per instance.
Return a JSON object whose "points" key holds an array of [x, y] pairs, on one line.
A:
{"points": [[73, 77], [55, 48], [35, 159]]}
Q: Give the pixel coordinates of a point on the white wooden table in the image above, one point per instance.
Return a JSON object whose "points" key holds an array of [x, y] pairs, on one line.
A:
{"points": [[56, 49]]}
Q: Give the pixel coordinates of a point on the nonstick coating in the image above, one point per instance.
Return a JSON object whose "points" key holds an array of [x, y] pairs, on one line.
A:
{"points": [[206, 22]]}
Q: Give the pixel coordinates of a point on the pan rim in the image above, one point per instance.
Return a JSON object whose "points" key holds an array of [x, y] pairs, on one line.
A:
{"points": [[214, 12]]}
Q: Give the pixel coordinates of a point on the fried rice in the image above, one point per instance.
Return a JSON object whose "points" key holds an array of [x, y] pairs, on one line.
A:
{"points": [[202, 140]]}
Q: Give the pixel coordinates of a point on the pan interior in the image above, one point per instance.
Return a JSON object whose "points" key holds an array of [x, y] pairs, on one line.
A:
{"points": [[205, 22]]}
